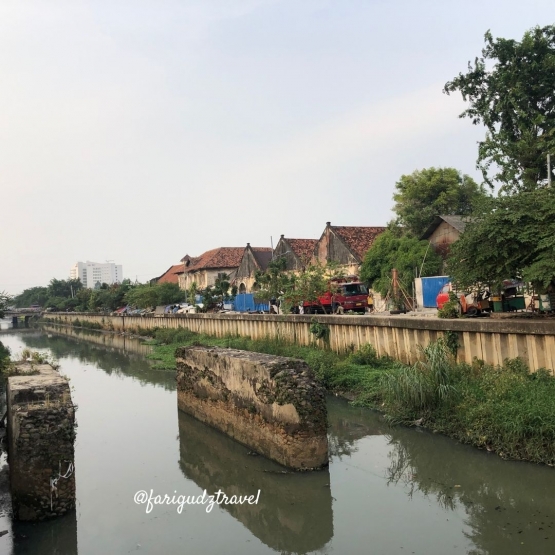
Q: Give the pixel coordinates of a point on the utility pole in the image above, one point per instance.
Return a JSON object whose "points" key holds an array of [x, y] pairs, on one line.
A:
{"points": [[549, 170]]}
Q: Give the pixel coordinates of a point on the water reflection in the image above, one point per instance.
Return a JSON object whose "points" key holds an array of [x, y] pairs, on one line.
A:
{"points": [[507, 504], [294, 513], [111, 353], [56, 537]]}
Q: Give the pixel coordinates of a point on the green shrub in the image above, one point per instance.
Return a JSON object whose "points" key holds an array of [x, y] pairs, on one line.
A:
{"points": [[451, 309]]}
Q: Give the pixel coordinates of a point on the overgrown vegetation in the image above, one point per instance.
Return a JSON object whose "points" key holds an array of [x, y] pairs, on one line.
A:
{"points": [[504, 409], [4, 356]]}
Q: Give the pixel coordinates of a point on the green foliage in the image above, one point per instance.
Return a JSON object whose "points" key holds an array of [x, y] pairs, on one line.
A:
{"points": [[274, 281], [451, 309], [415, 391], [451, 339], [34, 295], [151, 295], [4, 357], [319, 330], [403, 252], [5, 299], [65, 295], [424, 194], [312, 284], [515, 239], [510, 91], [221, 285]]}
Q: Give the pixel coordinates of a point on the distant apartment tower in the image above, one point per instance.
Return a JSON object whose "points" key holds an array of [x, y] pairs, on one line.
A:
{"points": [[93, 273]]}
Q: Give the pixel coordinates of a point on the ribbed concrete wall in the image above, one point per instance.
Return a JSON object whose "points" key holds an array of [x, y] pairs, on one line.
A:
{"points": [[488, 339]]}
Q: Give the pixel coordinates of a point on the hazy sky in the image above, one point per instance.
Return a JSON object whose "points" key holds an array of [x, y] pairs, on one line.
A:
{"points": [[141, 131]]}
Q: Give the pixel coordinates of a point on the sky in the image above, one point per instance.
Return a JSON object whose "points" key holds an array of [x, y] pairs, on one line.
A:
{"points": [[140, 131]]}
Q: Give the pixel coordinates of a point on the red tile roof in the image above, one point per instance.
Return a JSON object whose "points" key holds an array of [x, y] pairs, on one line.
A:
{"points": [[223, 257], [358, 239], [171, 275], [303, 248]]}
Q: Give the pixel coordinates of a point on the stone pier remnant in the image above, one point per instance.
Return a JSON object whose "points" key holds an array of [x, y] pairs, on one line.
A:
{"points": [[271, 404], [41, 436]]}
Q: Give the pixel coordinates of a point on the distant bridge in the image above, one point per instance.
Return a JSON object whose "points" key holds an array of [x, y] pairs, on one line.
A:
{"points": [[24, 314]]}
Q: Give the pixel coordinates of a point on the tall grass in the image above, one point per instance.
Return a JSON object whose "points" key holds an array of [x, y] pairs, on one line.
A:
{"points": [[414, 391]]}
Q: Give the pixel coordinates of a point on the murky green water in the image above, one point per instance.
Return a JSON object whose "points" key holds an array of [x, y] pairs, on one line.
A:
{"points": [[387, 490]]}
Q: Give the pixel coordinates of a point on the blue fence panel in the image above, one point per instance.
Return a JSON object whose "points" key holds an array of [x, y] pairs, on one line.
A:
{"points": [[244, 302], [430, 289]]}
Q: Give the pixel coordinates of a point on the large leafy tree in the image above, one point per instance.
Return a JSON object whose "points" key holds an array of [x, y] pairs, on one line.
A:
{"points": [[424, 194], [406, 253], [33, 295], [511, 91], [514, 239]]}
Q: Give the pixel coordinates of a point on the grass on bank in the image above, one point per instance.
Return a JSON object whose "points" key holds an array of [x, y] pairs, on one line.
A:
{"points": [[504, 409]]}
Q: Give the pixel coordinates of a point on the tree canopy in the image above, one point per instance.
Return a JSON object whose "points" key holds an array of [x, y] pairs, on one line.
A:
{"points": [[405, 253], [510, 90], [4, 300], [426, 193], [147, 296], [514, 239]]}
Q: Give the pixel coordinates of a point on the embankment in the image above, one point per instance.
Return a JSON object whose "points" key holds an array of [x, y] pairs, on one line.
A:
{"points": [[493, 341]]}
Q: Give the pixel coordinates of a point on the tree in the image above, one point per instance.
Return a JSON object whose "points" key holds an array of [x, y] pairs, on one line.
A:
{"points": [[514, 100], [424, 194], [169, 293], [221, 285], [142, 296], [391, 250], [33, 295], [274, 281], [5, 299], [515, 239], [64, 288], [311, 285]]}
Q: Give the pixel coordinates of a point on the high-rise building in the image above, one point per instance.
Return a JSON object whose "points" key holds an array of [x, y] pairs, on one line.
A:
{"points": [[93, 274]]}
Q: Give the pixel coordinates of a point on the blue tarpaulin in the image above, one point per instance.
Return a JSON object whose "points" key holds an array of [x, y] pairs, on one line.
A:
{"points": [[244, 302], [430, 289]]}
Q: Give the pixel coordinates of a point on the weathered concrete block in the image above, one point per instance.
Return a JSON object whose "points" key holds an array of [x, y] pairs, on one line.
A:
{"points": [[41, 435], [271, 404]]}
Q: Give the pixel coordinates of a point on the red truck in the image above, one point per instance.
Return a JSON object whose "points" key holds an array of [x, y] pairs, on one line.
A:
{"points": [[349, 294]]}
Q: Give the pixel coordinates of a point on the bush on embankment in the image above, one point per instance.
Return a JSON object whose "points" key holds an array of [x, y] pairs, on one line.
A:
{"points": [[503, 409]]}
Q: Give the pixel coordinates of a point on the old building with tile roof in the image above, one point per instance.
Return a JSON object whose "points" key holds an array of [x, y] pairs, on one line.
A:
{"points": [[254, 259], [444, 231], [205, 269], [298, 253], [345, 245], [172, 274]]}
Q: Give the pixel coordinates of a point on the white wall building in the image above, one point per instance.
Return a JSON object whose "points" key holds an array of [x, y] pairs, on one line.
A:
{"points": [[91, 273]]}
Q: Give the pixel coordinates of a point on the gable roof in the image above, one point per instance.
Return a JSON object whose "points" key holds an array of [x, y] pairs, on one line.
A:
{"points": [[303, 248], [222, 257], [171, 275], [263, 256], [458, 222], [358, 239]]}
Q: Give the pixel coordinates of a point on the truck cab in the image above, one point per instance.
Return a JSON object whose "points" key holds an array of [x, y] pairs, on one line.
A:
{"points": [[347, 294]]}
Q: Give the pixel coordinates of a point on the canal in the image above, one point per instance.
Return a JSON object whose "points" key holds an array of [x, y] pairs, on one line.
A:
{"points": [[388, 490]]}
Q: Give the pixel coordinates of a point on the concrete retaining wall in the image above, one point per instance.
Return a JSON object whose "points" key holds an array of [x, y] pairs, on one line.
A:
{"points": [[41, 434], [271, 404], [487, 339]]}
